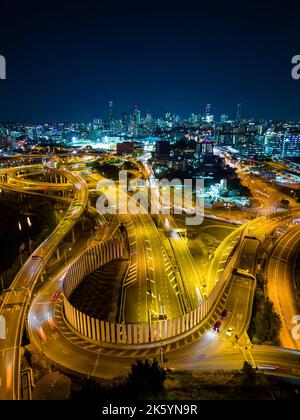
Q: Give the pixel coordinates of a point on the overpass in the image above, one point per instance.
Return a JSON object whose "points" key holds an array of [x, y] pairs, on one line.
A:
{"points": [[15, 304], [196, 349], [69, 348]]}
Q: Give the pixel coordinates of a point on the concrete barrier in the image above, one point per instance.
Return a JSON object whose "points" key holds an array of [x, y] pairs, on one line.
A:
{"points": [[130, 334]]}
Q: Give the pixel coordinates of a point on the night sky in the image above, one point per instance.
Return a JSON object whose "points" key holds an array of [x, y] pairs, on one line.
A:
{"points": [[67, 59]]}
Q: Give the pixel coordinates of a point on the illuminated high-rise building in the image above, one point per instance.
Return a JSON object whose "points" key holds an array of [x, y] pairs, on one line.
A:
{"points": [[205, 148], [208, 110], [239, 113], [224, 118], [291, 147], [125, 121], [137, 115], [148, 113], [111, 112], [195, 119], [208, 114]]}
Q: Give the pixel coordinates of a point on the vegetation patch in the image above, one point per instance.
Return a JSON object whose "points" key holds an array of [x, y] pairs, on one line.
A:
{"points": [[148, 381], [265, 323]]}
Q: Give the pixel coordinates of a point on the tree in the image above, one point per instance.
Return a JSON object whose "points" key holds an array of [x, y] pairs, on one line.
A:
{"points": [[90, 391], [267, 324], [249, 374], [146, 378], [106, 170], [285, 202], [128, 166]]}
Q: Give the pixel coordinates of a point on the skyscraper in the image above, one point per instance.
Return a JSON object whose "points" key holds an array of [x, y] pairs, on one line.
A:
{"points": [[205, 148], [239, 113], [137, 115], [208, 110], [208, 113], [148, 113], [224, 118], [125, 121], [111, 112]]}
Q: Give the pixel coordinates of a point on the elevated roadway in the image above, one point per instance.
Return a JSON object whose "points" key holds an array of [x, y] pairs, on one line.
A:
{"points": [[203, 349], [281, 274], [16, 301]]}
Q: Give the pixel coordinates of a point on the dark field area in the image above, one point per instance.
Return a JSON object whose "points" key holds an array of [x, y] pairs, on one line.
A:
{"points": [[9, 234], [23, 222], [98, 293], [227, 386]]}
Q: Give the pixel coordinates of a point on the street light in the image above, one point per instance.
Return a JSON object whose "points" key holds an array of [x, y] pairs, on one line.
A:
{"points": [[228, 206]]}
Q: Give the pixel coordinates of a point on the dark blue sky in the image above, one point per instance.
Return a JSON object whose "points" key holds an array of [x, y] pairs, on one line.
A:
{"points": [[67, 59]]}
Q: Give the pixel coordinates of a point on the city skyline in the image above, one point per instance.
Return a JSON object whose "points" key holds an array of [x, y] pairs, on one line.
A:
{"points": [[238, 113]]}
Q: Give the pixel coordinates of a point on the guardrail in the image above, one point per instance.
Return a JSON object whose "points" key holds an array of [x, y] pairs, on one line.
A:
{"points": [[130, 334]]}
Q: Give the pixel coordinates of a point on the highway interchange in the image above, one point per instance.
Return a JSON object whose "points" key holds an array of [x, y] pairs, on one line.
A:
{"points": [[236, 258]]}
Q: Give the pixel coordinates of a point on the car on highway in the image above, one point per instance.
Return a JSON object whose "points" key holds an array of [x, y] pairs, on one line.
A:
{"points": [[229, 332], [42, 335], [52, 324], [217, 326], [224, 314], [54, 297]]}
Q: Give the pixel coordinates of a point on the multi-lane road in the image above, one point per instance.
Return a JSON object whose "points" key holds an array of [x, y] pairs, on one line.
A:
{"points": [[281, 288], [203, 349], [270, 197], [192, 288], [148, 291]]}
